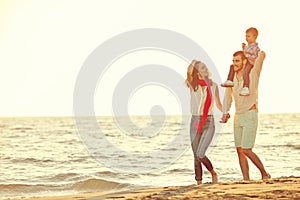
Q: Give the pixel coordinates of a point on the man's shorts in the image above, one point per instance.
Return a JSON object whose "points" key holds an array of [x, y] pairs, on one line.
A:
{"points": [[245, 128]]}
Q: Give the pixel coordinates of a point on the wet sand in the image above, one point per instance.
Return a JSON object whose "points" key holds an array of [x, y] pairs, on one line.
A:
{"points": [[276, 188]]}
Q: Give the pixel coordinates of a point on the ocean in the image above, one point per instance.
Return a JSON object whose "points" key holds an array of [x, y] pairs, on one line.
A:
{"points": [[48, 156]]}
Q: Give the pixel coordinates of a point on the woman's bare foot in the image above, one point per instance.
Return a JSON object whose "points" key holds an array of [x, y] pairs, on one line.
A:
{"points": [[214, 179], [199, 182]]}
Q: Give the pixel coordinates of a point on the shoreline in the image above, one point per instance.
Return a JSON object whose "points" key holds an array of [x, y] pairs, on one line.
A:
{"points": [[274, 188]]}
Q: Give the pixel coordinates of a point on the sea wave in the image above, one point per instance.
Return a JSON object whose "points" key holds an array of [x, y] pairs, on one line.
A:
{"points": [[30, 160], [98, 185], [89, 185], [115, 174], [295, 146], [23, 189], [290, 145]]}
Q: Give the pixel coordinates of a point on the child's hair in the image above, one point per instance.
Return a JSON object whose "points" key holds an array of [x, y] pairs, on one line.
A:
{"points": [[252, 30]]}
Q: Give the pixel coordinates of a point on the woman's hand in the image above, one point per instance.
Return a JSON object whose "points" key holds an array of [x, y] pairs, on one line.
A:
{"points": [[193, 62], [225, 118], [190, 69]]}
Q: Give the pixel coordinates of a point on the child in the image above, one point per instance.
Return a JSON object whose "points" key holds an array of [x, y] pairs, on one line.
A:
{"points": [[251, 52]]}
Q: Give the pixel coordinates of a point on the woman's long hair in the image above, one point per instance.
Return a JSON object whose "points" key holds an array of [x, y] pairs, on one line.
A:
{"points": [[192, 79]]}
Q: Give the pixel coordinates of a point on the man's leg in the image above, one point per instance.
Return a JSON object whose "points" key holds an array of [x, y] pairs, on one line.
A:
{"points": [[257, 162], [243, 163], [238, 135], [249, 135]]}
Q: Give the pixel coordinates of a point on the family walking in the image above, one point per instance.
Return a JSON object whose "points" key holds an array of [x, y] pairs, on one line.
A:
{"points": [[241, 86]]}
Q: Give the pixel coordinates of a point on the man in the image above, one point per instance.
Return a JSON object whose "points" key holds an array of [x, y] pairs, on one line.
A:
{"points": [[246, 117]]}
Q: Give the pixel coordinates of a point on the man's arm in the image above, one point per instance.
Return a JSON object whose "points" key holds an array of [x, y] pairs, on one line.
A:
{"points": [[218, 101], [259, 62], [227, 101]]}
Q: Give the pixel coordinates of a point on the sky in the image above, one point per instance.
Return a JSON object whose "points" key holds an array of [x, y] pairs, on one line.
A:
{"points": [[44, 44]]}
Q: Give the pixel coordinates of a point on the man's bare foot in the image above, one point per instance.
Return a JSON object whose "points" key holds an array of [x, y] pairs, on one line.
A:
{"points": [[268, 176], [199, 182]]}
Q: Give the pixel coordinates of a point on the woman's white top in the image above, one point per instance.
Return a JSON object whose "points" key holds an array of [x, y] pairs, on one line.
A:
{"points": [[198, 99]]}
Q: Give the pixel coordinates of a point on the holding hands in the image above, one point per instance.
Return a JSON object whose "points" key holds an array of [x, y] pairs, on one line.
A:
{"points": [[225, 118]]}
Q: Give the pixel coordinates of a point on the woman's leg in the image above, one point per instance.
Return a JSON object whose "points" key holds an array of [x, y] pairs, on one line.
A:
{"points": [[207, 134], [195, 139], [198, 170], [206, 138]]}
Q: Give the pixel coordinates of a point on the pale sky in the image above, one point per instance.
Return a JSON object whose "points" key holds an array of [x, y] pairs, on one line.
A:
{"points": [[44, 43]]}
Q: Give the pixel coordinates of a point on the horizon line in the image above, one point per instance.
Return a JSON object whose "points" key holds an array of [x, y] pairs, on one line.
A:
{"points": [[133, 115]]}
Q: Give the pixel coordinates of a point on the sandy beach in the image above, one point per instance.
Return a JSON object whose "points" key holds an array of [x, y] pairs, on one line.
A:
{"points": [[276, 188]]}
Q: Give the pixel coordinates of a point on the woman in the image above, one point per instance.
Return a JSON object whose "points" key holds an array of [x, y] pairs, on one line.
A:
{"points": [[204, 92]]}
